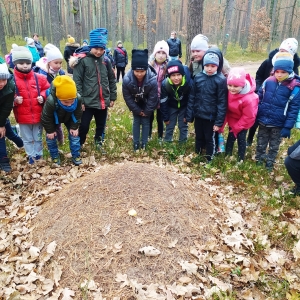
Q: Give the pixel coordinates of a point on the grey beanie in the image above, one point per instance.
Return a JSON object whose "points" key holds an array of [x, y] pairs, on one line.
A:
{"points": [[21, 53], [4, 73]]}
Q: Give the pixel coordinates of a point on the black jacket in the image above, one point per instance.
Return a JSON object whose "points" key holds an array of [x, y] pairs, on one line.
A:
{"points": [[144, 98], [168, 96], [6, 100], [120, 60], [265, 69], [208, 97], [174, 47], [69, 50]]}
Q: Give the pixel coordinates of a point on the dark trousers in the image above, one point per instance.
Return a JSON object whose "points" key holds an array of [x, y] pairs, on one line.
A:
{"points": [[241, 140], [293, 168], [120, 70], [100, 119], [205, 137], [251, 132], [160, 123]]}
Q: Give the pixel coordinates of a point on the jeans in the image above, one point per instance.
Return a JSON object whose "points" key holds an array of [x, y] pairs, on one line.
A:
{"points": [[100, 116], [160, 123], [176, 114], [32, 138], [74, 144], [241, 138], [139, 121]]}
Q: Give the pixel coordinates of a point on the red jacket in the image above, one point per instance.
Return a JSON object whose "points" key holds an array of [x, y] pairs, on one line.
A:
{"points": [[242, 108], [29, 112]]}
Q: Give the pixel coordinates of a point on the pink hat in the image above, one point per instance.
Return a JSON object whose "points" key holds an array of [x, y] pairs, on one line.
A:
{"points": [[237, 77], [161, 46]]}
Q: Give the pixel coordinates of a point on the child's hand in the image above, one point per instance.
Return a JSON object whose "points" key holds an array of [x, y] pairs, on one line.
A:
{"points": [[184, 120], [51, 136], [216, 128], [40, 99], [111, 104], [167, 122], [74, 132], [19, 99], [2, 132], [83, 107]]}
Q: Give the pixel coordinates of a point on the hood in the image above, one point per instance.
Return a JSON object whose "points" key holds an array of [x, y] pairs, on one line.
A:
{"points": [[42, 64], [217, 51], [73, 45], [272, 53], [187, 74]]}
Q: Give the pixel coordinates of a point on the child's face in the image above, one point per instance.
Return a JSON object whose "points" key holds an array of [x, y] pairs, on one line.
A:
{"points": [[281, 75], [139, 74], [210, 69], [97, 51], [56, 64], [234, 89], [67, 103], [160, 56], [197, 54], [176, 78], [24, 66], [3, 83]]}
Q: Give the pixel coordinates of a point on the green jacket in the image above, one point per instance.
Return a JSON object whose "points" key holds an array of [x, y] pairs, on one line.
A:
{"points": [[7, 95], [95, 81], [51, 105]]}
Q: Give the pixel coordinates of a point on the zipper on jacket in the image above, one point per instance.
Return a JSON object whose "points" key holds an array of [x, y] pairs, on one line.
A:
{"points": [[102, 101]]}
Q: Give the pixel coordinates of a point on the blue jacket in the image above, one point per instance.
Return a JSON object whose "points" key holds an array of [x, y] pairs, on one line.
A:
{"points": [[174, 47], [39, 48], [175, 98], [208, 97], [274, 107], [142, 98], [49, 76], [120, 60]]}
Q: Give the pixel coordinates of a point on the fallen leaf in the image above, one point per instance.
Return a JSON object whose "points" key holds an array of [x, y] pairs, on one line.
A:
{"points": [[149, 251]]}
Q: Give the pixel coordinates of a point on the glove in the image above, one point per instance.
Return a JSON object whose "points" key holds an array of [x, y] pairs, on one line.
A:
{"points": [[285, 133]]}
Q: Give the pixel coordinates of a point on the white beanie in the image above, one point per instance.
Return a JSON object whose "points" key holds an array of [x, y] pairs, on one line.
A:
{"points": [[290, 45], [52, 52], [14, 46], [29, 41], [161, 46], [4, 73], [200, 42]]}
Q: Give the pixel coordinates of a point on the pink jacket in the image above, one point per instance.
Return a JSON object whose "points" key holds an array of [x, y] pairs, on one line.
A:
{"points": [[242, 108]]}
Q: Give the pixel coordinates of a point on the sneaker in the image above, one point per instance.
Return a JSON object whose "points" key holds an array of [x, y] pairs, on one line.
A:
{"points": [[248, 144], [37, 157], [56, 160], [136, 147], [4, 164], [30, 160], [76, 161], [269, 166]]}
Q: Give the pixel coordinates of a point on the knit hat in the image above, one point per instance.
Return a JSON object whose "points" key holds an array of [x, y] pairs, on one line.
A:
{"points": [[21, 53], [4, 74], [65, 88], [175, 66], [98, 38], [14, 46], [161, 46], [85, 41], [290, 45], [119, 42], [237, 77], [211, 58], [139, 60], [284, 61], [52, 52], [71, 40], [200, 42], [29, 41]]}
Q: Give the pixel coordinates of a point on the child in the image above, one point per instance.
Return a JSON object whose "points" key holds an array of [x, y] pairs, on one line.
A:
{"points": [[85, 43], [110, 57], [28, 104], [7, 93], [120, 59], [208, 102], [70, 48], [159, 60], [140, 94], [63, 105], [175, 92], [96, 84], [277, 112], [31, 46], [241, 109], [8, 57]]}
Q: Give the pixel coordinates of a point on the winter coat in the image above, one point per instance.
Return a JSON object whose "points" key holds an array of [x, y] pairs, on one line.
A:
{"points": [[294, 151], [34, 53], [161, 73], [147, 101], [39, 48], [120, 60], [265, 69], [174, 47], [95, 81], [50, 77], [208, 97], [7, 95], [242, 108], [51, 105], [274, 100], [175, 97], [29, 112], [68, 52]]}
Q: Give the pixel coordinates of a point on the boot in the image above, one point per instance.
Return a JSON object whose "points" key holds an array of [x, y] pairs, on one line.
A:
{"points": [[4, 164]]}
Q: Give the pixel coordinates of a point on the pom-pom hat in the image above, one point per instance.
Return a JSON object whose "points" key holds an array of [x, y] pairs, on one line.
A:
{"points": [[161, 46], [4, 73], [237, 77], [290, 45], [71, 40], [98, 38], [65, 88]]}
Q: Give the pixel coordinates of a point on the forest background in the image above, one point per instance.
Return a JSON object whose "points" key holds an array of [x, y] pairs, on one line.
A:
{"points": [[247, 24]]}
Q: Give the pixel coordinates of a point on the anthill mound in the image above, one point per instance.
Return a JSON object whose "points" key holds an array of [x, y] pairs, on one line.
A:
{"points": [[97, 238]]}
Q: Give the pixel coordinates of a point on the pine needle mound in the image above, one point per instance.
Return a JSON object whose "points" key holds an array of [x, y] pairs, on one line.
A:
{"points": [[97, 238]]}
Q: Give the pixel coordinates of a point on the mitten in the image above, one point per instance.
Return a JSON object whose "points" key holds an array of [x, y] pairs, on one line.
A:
{"points": [[285, 132]]}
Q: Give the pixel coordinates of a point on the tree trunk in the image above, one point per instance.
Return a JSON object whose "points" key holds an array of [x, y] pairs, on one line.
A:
{"points": [[23, 22], [194, 24], [114, 18], [31, 17], [2, 36], [42, 20], [227, 29], [77, 21], [134, 31], [273, 23], [263, 3], [150, 25], [55, 23], [247, 25], [290, 30]]}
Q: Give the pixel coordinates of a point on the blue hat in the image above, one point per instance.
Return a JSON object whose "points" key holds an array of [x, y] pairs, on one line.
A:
{"points": [[85, 41], [284, 61], [98, 38], [211, 58]]}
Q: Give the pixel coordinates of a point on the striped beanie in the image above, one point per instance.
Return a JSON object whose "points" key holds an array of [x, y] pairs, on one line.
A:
{"points": [[98, 38], [284, 61]]}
